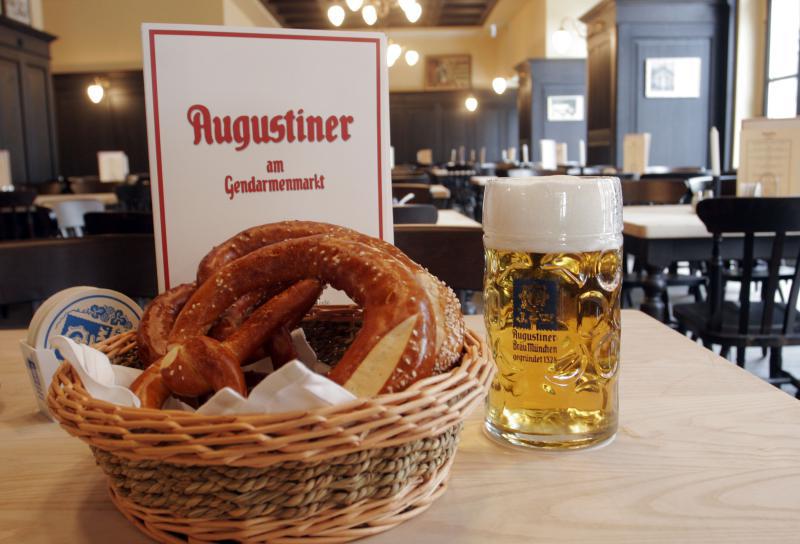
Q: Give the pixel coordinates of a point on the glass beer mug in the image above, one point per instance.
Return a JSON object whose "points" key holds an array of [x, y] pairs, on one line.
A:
{"points": [[552, 296]]}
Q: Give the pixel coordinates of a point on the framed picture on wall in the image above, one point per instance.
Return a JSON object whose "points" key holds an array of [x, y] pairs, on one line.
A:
{"points": [[565, 107], [19, 10], [448, 72], [672, 77]]}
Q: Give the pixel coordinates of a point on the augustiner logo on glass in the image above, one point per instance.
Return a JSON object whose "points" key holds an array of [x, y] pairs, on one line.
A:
{"points": [[535, 332]]}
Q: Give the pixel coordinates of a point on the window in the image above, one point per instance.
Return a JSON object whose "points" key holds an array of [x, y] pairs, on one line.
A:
{"points": [[783, 58]]}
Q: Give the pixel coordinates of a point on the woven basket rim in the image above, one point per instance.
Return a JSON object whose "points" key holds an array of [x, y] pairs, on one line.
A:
{"points": [[425, 409], [471, 338]]}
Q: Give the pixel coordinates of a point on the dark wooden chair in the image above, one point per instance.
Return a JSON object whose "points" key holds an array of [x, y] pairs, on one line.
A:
{"points": [[767, 323], [645, 192], [421, 192], [657, 192], [415, 214], [118, 223], [32, 270], [411, 177], [698, 184], [134, 197], [50, 188], [454, 255], [85, 186], [17, 214]]}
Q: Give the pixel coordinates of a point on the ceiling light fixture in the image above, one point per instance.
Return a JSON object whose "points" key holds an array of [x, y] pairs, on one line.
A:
{"points": [[95, 91], [369, 14], [412, 57], [393, 53], [563, 37], [499, 84], [336, 15], [471, 103], [355, 5], [413, 12]]}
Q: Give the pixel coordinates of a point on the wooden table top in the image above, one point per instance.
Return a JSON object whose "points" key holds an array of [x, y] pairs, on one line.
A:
{"points": [[109, 199], [706, 452], [664, 221], [447, 219]]}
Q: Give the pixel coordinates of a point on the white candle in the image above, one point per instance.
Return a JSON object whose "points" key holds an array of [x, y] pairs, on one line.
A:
{"points": [[561, 153], [461, 154], [582, 153], [453, 155], [472, 155], [714, 147], [5, 168], [483, 155], [504, 155], [525, 153], [512, 154]]}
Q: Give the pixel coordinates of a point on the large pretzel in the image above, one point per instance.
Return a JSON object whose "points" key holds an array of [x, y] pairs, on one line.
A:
{"points": [[448, 320], [393, 348], [196, 364]]}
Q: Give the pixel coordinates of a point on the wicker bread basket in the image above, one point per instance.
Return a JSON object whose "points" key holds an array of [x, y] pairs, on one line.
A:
{"points": [[328, 475]]}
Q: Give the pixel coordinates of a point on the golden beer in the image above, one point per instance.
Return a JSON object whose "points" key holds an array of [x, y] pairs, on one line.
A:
{"points": [[552, 314]]}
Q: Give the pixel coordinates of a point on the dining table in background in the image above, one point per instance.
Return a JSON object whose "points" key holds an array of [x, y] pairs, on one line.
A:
{"points": [[658, 236], [47, 201], [705, 452]]}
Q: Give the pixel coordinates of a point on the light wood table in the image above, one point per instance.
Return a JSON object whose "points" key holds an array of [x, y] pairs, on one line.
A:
{"points": [[705, 453], [445, 219], [660, 235], [108, 199]]}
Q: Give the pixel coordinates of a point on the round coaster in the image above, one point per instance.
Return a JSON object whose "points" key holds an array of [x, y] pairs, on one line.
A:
{"points": [[89, 316], [45, 308]]}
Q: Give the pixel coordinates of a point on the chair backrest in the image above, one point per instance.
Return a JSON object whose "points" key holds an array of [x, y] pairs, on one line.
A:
{"points": [[415, 214], [50, 188], [134, 197], [654, 191], [421, 192], [410, 177], [86, 186], [32, 270], [454, 255], [118, 223], [698, 184], [69, 214], [16, 214], [748, 216]]}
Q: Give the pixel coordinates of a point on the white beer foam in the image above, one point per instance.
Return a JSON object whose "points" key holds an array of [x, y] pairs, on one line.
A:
{"points": [[553, 214]]}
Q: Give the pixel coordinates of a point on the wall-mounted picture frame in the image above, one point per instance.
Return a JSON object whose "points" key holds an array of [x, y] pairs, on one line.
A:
{"points": [[18, 10], [672, 77], [565, 107], [448, 72]]}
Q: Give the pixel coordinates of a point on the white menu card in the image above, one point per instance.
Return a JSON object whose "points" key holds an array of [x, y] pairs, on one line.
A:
{"points": [[251, 126], [770, 156]]}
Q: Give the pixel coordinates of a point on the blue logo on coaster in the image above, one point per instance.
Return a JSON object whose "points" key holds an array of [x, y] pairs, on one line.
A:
{"points": [[535, 304]]}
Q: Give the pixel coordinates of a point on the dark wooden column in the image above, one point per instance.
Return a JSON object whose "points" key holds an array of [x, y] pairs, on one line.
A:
{"points": [[540, 79], [622, 35], [27, 125]]}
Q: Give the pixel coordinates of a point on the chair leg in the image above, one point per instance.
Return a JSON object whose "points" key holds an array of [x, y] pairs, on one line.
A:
{"points": [[708, 344], [740, 351], [775, 361], [725, 351]]}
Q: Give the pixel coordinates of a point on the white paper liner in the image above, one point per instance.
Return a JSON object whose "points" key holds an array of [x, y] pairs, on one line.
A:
{"points": [[295, 386]]}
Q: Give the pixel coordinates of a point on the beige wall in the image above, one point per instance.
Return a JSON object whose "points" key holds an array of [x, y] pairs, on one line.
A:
{"points": [[247, 13], [105, 34], [475, 42], [749, 89], [520, 33], [558, 11]]}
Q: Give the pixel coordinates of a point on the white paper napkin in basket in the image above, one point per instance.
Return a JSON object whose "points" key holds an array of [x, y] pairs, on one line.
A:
{"points": [[295, 386]]}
